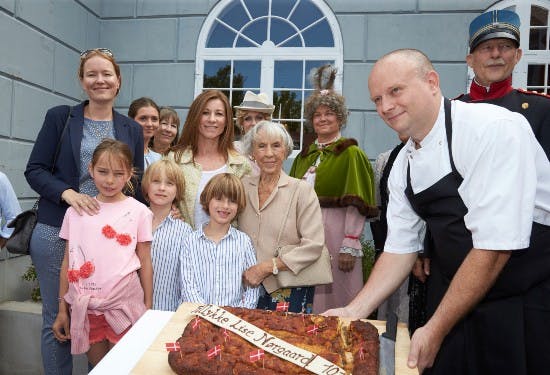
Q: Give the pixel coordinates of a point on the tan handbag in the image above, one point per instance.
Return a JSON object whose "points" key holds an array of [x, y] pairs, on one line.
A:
{"points": [[317, 273]]}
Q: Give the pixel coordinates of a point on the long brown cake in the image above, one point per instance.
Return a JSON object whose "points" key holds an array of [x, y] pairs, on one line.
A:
{"points": [[208, 349]]}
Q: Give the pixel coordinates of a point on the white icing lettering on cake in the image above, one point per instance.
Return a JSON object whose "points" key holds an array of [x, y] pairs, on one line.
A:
{"points": [[266, 341], [243, 330]]}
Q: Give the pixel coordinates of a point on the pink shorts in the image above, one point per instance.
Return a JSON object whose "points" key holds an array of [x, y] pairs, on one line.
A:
{"points": [[101, 330]]}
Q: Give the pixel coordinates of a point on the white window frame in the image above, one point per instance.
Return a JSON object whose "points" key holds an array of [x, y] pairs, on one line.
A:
{"points": [[268, 53], [523, 9]]}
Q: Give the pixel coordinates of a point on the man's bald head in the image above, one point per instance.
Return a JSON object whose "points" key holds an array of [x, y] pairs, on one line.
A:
{"points": [[405, 89], [412, 57]]}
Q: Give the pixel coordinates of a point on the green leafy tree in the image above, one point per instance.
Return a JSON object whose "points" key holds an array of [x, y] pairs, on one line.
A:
{"points": [[221, 80]]}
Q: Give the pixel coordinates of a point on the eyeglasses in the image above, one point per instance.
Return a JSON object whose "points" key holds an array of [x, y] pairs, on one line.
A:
{"points": [[501, 47], [104, 51]]}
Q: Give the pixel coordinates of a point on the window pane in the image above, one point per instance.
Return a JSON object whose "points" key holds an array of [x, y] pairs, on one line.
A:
{"points": [[288, 109], [257, 8], [288, 105], [216, 74], [539, 16], [234, 15], [294, 42], [242, 42], [319, 35], [314, 64], [305, 14], [535, 75], [288, 74], [257, 31], [237, 98], [282, 8], [246, 74], [539, 28], [548, 76], [280, 30], [220, 36], [293, 127], [537, 39]]}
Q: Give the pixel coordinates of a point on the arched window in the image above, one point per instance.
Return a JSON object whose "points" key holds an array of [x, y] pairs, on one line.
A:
{"points": [[269, 46], [533, 70]]}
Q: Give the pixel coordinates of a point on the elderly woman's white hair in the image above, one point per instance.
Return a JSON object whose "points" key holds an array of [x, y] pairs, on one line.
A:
{"points": [[270, 129]]}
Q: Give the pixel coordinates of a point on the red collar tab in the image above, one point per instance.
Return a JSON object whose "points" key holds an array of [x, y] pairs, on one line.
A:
{"points": [[496, 90]]}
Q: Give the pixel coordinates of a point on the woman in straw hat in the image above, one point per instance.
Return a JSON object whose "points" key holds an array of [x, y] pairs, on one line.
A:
{"points": [[253, 109]]}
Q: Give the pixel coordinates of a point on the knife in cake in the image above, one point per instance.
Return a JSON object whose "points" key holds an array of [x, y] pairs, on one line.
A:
{"points": [[387, 346]]}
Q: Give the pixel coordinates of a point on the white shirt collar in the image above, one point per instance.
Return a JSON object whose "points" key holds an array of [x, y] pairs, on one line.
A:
{"points": [[434, 135]]}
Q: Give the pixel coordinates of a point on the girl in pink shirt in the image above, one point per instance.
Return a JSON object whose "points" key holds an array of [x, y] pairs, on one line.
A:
{"points": [[106, 274]]}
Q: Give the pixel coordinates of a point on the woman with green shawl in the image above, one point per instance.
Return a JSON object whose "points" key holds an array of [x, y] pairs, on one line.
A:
{"points": [[342, 177]]}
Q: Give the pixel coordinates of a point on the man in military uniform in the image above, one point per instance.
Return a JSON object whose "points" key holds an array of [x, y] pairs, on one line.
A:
{"points": [[494, 52]]}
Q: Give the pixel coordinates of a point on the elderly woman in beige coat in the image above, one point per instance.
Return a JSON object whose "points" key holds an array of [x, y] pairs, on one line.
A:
{"points": [[283, 219]]}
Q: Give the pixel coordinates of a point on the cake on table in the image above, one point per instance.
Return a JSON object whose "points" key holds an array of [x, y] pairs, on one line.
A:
{"points": [[230, 345]]}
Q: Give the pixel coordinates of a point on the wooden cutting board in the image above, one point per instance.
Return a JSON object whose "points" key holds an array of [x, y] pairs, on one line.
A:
{"points": [[155, 359]]}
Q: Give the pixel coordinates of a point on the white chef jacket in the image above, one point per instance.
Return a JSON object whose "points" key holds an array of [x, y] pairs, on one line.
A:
{"points": [[506, 176]]}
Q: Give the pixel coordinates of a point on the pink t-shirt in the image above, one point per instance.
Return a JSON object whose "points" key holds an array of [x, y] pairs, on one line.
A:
{"points": [[102, 247]]}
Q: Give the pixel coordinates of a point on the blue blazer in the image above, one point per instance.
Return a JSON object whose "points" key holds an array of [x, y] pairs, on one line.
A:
{"points": [[66, 173]]}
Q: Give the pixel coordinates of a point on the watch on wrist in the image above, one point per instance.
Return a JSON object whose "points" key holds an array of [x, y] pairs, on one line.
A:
{"points": [[275, 269]]}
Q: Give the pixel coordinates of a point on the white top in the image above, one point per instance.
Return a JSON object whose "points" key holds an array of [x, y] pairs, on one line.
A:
{"points": [[201, 217], [165, 255], [150, 157], [212, 272], [9, 205], [506, 178]]}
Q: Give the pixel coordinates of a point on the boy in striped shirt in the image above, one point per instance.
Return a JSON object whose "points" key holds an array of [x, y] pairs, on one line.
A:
{"points": [[215, 256]]}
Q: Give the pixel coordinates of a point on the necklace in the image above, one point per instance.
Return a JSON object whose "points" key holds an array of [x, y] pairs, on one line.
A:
{"points": [[325, 144]]}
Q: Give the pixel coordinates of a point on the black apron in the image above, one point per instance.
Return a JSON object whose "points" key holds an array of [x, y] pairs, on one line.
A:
{"points": [[497, 336]]}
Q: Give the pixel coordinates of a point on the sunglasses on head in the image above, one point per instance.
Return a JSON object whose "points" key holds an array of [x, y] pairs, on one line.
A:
{"points": [[104, 51]]}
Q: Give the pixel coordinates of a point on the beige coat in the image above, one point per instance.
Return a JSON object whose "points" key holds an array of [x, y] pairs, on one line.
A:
{"points": [[302, 236], [236, 164]]}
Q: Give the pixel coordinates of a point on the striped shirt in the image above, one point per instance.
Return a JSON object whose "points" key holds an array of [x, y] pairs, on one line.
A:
{"points": [[165, 255], [212, 272]]}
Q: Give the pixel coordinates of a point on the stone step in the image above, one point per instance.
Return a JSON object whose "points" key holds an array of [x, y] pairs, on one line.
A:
{"points": [[20, 327]]}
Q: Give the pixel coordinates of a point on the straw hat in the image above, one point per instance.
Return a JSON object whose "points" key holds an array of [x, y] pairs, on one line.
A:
{"points": [[256, 102]]}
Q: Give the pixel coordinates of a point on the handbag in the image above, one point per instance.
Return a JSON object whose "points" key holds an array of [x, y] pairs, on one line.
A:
{"points": [[24, 223], [317, 273]]}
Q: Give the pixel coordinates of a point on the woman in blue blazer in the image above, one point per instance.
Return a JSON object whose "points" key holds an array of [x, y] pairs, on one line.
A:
{"points": [[69, 183]]}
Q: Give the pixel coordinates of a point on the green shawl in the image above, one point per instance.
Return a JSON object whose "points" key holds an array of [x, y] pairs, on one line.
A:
{"points": [[344, 176]]}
